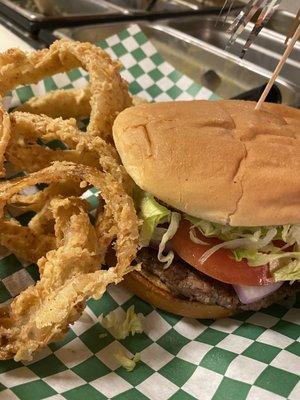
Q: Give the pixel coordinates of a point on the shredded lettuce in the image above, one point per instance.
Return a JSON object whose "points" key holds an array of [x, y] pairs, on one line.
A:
{"points": [[207, 228], [127, 362], [194, 237], [263, 258], [287, 272], [226, 232], [253, 242], [240, 254], [284, 266], [256, 245], [174, 224], [120, 328], [152, 214], [291, 234]]}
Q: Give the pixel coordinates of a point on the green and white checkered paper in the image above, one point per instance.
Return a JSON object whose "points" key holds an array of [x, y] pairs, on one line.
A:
{"points": [[253, 356]]}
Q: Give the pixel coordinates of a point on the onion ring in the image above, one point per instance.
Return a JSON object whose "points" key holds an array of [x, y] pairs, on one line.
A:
{"points": [[28, 128], [5, 134], [68, 249], [69, 274], [71, 103], [109, 92]]}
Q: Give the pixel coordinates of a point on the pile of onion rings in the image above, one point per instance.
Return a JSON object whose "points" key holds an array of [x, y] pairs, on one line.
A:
{"points": [[60, 238]]}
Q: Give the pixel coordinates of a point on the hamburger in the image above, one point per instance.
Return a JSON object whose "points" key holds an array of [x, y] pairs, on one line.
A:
{"points": [[218, 193]]}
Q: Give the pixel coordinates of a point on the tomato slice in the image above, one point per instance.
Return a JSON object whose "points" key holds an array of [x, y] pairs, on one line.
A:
{"points": [[220, 265]]}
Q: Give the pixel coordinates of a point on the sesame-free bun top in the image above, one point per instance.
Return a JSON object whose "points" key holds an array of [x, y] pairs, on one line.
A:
{"points": [[218, 160]]}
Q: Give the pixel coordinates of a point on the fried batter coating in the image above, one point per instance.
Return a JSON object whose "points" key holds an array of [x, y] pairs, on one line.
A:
{"points": [[24, 151], [71, 103], [70, 273], [35, 202], [68, 249], [24, 242], [5, 134], [109, 92]]}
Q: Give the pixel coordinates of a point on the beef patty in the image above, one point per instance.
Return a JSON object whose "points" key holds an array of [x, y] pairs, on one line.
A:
{"points": [[185, 282]]}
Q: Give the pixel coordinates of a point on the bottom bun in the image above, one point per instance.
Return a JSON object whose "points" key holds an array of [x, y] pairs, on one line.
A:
{"points": [[153, 291]]}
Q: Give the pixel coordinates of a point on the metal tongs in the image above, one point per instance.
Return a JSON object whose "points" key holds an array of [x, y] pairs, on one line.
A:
{"points": [[266, 9]]}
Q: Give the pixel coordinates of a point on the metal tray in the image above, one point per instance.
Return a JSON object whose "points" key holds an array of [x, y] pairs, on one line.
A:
{"points": [[265, 52], [281, 22], [66, 12], [192, 56], [76, 12], [56, 8], [170, 8], [158, 6]]}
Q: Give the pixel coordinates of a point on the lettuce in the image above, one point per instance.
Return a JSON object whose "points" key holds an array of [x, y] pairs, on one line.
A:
{"points": [[240, 254], [254, 244], [174, 224], [226, 232], [120, 328], [287, 272], [270, 258], [127, 362], [152, 214], [207, 228]]}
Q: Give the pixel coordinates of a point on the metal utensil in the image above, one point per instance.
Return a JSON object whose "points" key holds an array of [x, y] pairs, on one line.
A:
{"points": [[266, 9], [229, 5]]}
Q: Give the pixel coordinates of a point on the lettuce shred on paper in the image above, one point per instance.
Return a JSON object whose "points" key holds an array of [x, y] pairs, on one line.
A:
{"points": [[120, 328]]}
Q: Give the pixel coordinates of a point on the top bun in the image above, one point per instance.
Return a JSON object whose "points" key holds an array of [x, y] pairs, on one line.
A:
{"points": [[221, 161]]}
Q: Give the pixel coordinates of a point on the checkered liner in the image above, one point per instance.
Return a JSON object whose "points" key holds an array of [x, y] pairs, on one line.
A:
{"points": [[251, 356]]}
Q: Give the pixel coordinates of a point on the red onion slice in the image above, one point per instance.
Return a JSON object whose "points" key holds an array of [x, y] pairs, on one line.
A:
{"points": [[251, 294]]}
